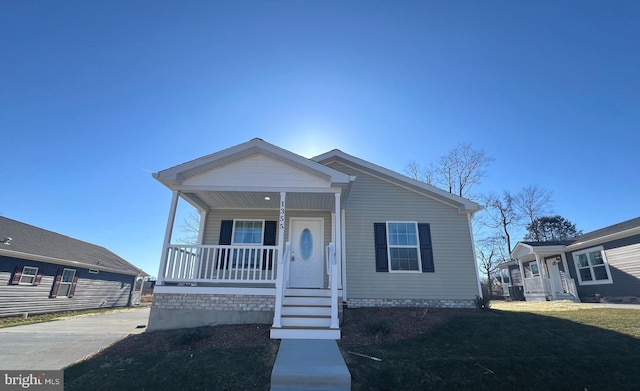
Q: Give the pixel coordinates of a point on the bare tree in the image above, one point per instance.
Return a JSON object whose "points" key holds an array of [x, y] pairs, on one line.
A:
{"points": [[490, 252], [462, 168], [502, 214], [190, 228], [532, 202], [456, 172], [417, 172]]}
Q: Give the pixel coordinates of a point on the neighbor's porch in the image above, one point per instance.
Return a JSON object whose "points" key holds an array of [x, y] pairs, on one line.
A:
{"points": [[542, 273]]}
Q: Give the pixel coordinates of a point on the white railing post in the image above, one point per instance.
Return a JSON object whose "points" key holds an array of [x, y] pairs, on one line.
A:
{"points": [[334, 285], [280, 282]]}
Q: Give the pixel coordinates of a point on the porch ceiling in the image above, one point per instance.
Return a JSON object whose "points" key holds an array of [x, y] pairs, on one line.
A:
{"points": [[256, 200]]}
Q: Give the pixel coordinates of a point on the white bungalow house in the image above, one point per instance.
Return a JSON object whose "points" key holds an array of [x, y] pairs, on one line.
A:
{"points": [[288, 240]]}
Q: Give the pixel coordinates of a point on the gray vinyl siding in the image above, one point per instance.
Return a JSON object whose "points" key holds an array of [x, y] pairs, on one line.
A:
{"points": [[102, 290], [374, 200], [623, 256]]}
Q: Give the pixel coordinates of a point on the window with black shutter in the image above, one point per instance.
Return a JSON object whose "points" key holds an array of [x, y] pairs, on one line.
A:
{"points": [[403, 246]]}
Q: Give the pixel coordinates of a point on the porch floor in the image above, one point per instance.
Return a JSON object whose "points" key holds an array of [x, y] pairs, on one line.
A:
{"points": [[309, 364]]}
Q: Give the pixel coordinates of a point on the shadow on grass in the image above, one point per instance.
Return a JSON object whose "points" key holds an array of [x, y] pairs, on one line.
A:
{"points": [[187, 359], [511, 351]]}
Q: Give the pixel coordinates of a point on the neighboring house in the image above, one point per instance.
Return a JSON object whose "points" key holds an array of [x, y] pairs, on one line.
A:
{"points": [[289, 240], [42, 271], [602, 265]]}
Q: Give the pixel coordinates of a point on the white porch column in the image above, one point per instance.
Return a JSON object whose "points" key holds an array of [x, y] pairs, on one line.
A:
{"points": [[281, 220], [167, 237], [203, 222], [522, 276]]}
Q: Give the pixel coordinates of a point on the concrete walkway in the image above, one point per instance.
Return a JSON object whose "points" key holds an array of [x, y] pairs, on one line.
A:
{"points": [[60, 343], [309, 364]]}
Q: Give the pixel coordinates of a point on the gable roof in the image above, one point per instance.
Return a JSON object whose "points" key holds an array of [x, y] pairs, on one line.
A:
{"points": [[463, 204], [612, 232], [30, 242], [174, 176]]}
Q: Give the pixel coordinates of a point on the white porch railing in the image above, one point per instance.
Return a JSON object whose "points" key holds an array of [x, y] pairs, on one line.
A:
{"points": [[220, 263], [281, 285], [568, 285], [334, 275], [537, 285]]}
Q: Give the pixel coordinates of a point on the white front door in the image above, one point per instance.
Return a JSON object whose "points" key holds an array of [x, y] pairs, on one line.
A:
{"points": [[307, 249], [554, 275]]}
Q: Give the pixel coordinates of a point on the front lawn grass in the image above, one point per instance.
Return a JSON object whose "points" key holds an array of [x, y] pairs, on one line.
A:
{"points": [[588, 349], [564, 349]]}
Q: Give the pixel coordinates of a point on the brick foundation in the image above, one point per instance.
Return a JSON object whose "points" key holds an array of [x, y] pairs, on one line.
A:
{"points": [[421, 303]]}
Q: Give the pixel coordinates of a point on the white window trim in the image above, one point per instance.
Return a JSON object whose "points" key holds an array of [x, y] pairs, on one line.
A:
{"points": [[62, 282], [34, 275], [233, 233], [604, 259], [533, 275], [417, 246]]}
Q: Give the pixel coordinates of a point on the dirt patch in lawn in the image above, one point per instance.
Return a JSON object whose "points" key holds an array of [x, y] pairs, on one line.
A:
{"points": [[365, 326], [361, 326]]}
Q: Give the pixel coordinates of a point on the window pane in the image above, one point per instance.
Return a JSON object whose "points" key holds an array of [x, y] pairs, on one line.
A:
{"points": [[403, 234], [64, 290], [596, 258], [67, 276], [248, 232], [534, 268], [600, 272], [585, 274], [582, 261], [404, 259]]}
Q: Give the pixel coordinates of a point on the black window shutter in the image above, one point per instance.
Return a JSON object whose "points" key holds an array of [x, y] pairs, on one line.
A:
{"points": [[269, 239], [17, 273], [270, 232], [426, 248], [380, 238], [226, 229], [38, 278], [72, 290], [56, 284]]}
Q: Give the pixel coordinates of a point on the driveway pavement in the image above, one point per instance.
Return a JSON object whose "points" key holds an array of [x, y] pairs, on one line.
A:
{"points": [[60, 343]]}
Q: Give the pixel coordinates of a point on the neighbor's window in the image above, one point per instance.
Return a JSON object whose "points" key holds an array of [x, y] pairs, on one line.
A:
{"points": [[403, 246], [28, 275], [533, 267], [592, 267], [248, 231], [65, 283]]}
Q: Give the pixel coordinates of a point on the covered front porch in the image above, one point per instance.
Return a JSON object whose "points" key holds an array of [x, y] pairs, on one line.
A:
{"points": [[541, 272], [269, 245]]}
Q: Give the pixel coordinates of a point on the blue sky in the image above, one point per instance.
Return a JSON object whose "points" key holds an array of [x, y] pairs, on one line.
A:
{"points": [[97, 95]]}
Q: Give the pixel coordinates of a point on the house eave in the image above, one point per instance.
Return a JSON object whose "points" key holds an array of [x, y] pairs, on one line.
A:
{"points": [[66, 262], [603, 239], [462, 204]]}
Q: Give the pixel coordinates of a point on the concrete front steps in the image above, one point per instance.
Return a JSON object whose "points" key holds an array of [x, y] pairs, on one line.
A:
{"points": [[304, 364], [306, 314]]}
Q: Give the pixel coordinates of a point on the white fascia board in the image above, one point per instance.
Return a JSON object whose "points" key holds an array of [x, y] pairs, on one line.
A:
{"points": [[464, 205], [64, 262], [603, 239]]}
